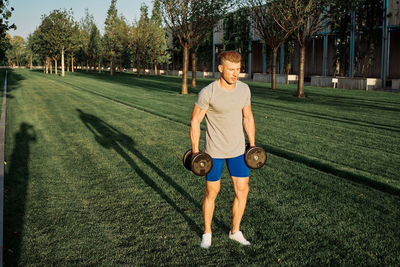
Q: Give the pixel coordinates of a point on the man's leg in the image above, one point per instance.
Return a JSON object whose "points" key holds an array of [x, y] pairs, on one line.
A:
{"points": [[241, 186], [212, 189], [240, 178]]}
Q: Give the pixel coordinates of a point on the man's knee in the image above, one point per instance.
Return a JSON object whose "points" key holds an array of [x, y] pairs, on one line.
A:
{"points": [[242, 192], [212, 191], [241, 187], [211, 194]]}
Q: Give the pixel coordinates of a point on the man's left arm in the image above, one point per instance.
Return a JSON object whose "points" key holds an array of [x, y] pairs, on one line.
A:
{"points": [[248, 124]]}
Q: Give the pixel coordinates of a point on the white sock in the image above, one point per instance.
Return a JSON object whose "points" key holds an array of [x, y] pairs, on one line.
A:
{"points": [[206, 240]]}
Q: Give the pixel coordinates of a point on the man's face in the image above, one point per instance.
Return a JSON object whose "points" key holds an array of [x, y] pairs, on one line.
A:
{"points": [[229, 71]]}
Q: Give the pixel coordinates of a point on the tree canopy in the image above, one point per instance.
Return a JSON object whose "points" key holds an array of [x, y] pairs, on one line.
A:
{"points": [[5, 25], [187, 26], [191, 21]]}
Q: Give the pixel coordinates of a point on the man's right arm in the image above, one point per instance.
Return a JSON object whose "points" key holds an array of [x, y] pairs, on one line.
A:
{"points": [[197, 117]]}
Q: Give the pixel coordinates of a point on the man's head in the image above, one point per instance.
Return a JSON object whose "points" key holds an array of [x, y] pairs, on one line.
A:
{"points": [[229, 66], [231, 56]]}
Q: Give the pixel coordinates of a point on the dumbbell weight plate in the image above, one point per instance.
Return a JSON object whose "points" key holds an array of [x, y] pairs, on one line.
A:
{"points": [[187, 159], [255, 157], [201, 164]]}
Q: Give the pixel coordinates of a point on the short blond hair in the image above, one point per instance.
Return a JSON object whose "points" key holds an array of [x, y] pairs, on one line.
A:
{"points": [[231, 56]]}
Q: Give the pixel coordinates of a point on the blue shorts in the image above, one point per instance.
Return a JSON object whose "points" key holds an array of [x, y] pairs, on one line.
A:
{"points": [[236, 167]]}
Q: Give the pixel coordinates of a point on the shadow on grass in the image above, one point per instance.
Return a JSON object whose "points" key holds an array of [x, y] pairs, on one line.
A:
{"points": [[316, 115], [111, 138], [13, 81], [132, 106], [16, 182], [317, 97], [172, 84], [324, 167], [161, 83], [151, 82]]}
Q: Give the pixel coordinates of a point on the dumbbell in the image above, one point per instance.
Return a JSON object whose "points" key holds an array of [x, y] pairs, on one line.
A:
{"points": [[200, 164], [255, 157]]}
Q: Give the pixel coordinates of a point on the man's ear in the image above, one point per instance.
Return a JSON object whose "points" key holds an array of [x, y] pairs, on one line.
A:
{"points": [[220, 68]]}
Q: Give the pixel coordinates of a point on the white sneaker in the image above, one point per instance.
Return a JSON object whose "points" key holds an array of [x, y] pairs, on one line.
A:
{"points": [[238, 236], [206, 241]]}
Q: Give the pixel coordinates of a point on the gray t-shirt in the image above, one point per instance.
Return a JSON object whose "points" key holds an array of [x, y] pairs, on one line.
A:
{"points": [[224, 118]]}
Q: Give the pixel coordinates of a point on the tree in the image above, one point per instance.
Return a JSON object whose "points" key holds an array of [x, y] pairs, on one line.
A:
{"points": [[5, 26], [190, 21], [57, 30], [38, 47], [86, 26], [124, 54], [41, 47], [204, 20], [368, 17], [111, 37], [148, 40], [158, 37], [94, 48], [236, 33], [303, 18], [141, 39], [75, 45], [270, 32], [31, 55], [29, 50], [16, 51]]}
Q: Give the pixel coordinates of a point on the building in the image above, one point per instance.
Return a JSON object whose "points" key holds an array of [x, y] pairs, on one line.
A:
{"points": [[384, 67]]}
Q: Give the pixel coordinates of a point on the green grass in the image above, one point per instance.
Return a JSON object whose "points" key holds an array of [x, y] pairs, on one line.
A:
{"points": [[94, 176]]}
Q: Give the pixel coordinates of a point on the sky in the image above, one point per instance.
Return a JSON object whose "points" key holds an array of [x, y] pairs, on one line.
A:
{"points": [[27, 13]]}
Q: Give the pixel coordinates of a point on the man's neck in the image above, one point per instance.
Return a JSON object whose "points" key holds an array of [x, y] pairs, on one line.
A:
{"points": [[224, 85]]}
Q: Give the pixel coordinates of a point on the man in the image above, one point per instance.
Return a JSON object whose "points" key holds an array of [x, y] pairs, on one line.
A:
{"points": [[226, 105]]}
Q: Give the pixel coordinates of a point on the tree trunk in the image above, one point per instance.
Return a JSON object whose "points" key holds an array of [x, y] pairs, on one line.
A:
{"points": [[300, 83], [138, 65], [273, 74], [194, 69], [185, 68], [72, 63], [55, 66], [87, 64], [30, 62], [62, 63], [155, 68], [364, 66], [289, 63], [111, 67], [50, 67], [289, 67], [99, 67]]}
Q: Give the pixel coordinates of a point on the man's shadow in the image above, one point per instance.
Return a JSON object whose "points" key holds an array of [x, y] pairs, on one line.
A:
{"points": [[109, 137], [16, 184]]}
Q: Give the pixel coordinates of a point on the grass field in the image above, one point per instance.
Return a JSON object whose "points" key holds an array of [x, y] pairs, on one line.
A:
{"points": [[94, 176]]}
